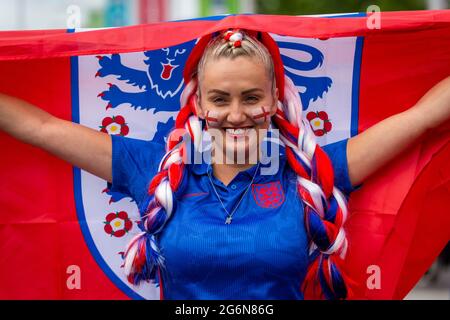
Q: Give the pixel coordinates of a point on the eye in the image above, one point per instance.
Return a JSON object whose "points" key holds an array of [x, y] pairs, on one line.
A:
{"points": [[252, 99], [218, 100], [179, 52], [166, 50]]}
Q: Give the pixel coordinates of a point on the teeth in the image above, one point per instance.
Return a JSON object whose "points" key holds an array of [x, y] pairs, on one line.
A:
{"points": [[236, 131]]}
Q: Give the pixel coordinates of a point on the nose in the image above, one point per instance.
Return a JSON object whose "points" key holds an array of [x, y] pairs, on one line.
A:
{"points": [[237, 114]]}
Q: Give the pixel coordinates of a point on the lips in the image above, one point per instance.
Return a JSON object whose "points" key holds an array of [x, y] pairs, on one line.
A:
{"points": [[238, 132]]}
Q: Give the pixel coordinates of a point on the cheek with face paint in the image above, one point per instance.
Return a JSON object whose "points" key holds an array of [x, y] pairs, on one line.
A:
{"points": [[260, 115], [214, 118]]}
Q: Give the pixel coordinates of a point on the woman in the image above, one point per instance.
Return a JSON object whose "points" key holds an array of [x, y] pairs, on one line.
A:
{"points": [[225, 230]]}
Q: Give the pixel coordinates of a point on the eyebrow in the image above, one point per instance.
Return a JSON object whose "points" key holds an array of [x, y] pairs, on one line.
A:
{"points": [[227, 94]]}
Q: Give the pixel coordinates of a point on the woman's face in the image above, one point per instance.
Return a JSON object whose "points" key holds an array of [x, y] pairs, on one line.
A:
{"points": [[232, 93]]}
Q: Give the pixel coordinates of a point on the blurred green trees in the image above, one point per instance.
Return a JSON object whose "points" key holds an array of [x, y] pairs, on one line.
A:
{"points": [[301, 7]]}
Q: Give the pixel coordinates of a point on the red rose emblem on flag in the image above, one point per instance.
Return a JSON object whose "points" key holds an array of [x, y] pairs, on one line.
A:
{"points": [[117, 224], [319, 122], [114, 125]]}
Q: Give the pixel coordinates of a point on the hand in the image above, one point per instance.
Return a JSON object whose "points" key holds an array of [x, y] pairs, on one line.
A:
{"points": [[434, 107]]}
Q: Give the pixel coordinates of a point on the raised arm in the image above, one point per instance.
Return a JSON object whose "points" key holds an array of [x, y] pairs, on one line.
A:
{"points": [[81, 146], [375, 147]]}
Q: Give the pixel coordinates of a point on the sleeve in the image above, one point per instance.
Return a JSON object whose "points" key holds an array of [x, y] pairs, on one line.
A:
{"points": [[337, 152], [134, 163]]}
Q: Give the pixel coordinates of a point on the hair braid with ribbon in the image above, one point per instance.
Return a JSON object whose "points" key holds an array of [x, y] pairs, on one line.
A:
{"points": [[142, 255], [324, 205]]}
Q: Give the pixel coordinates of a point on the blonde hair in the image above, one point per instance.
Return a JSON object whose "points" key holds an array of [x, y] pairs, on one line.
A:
{"points": [[220, 48]]}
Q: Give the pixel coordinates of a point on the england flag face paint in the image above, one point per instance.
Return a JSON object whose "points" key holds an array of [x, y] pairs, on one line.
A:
{"points": [[260, 115], [214, 118]]}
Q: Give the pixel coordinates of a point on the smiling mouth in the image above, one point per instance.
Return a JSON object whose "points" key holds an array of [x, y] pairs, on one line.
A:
{"points": [[238, 132]]}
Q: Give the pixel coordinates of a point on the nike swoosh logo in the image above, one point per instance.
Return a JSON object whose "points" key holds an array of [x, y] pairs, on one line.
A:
{"points": [[197, 194]]}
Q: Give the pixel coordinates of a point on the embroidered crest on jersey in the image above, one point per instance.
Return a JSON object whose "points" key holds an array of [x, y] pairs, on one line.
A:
{"points": [[268, 195]]}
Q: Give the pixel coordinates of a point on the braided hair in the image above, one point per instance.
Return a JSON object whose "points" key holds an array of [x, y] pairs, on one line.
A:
{"points": [[325, 206]]}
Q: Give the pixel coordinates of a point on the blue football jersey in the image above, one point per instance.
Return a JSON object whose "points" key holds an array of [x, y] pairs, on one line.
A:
{"points": [[262, 254]]}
